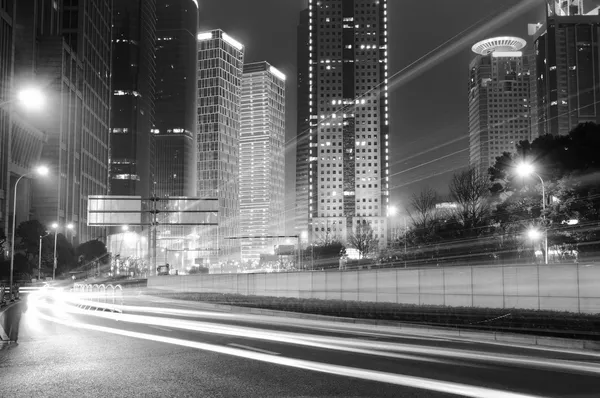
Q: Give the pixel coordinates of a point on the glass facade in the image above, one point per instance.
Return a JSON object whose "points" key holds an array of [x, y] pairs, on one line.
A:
{"points": [[262, 166], [499, 109], [132, 110], [77, 62], [302, 129], [349, 120], [566, 53], [220, 67], [175, 125]]}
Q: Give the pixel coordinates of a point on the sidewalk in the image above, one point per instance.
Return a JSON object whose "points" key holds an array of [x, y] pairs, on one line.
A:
{"points": [[377, 325]]}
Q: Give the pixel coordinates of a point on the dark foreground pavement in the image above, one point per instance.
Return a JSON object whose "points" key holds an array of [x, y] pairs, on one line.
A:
{"points": [[166, 348]]}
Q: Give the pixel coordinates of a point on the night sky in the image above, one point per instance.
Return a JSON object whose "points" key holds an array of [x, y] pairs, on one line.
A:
{"points": [[428, 110]]}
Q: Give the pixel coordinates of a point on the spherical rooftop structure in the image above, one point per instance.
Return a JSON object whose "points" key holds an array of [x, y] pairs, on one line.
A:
{"points": [[504, 44]]}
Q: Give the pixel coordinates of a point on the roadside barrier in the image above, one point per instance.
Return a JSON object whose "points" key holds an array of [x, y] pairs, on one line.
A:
{"points": [[2, 300], [99, 297]]}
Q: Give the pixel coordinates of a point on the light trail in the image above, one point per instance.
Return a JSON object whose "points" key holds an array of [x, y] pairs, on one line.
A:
{"points": [[389, 350], [338, 370]]}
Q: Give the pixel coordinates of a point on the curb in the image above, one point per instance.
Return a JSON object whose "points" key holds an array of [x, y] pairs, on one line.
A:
{"points": [[382, 325]]}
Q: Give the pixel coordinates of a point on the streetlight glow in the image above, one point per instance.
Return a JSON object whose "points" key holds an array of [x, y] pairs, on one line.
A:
{"points": [[70, 226], [125, 227], [534, 234], [392, 211], [42, 171], [54, 225], [525, 169], [31, 98]]}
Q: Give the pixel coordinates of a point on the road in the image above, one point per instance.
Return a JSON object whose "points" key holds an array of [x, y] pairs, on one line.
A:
{"points": [[166, 348]]}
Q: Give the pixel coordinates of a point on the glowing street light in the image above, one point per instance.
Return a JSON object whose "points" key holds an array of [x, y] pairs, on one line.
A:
{"points": [[55, 227], [32, 98], [534, 234], [525, 170], [125, 228], [42, 171], [392, 211]]}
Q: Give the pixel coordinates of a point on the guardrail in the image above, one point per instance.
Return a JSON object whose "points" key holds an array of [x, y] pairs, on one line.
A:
{"points": [[99, 296]]}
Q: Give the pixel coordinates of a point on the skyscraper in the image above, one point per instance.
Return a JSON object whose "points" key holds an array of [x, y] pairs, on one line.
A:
{"points": [[349, 123], [175, 125], [262, 166], [133, 85], [76, 65], [499, 111], [220, 63], [302, 128], [566, 49]]}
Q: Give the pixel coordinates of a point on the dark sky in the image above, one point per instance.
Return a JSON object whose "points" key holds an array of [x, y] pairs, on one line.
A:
{"points": [[428, 110]]}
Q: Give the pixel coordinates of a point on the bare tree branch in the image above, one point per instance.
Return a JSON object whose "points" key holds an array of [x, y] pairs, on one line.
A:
{"points": [[470, 190], [422, 211], [363, 239]]}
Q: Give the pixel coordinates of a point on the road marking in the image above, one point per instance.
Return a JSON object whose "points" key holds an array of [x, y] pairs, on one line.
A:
{"points": [[252, 349], [158, 327]]}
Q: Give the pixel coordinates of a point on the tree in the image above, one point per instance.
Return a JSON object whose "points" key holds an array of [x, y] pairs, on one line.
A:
{"points": [[29, 233], [363, 239], [423, 214], [470, 190], [92, 253]]}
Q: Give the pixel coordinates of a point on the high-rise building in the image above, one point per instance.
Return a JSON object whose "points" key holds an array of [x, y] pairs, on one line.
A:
{"points": [[220, 68], [349, 120], [73, 56], [133, 91], [566, 48], [175, 125], [262, 165], [302, 128], [499, 111], [7, 9]]}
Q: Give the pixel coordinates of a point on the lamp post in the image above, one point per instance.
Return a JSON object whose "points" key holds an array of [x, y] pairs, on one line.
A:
{"points": [[55, 227], [40, 256], [525, 170], [41, 170]]}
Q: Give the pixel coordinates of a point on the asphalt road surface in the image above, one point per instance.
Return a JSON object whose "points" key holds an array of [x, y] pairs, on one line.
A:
{"points": [[167, 348]]}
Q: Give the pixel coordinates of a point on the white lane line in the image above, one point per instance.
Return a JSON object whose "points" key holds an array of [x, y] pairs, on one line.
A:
{"points": [[158, 327], [245, 347]]}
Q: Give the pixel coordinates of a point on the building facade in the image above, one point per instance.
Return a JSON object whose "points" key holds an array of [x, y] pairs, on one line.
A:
{"points": [[302, 129], [133, 91], [72, 42], [499, 110], [262, 165], [220, 68], [175, 124], [349, 121], [566, 57]]}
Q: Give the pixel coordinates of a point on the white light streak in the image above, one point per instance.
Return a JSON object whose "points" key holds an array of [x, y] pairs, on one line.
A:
{"points": [[277, 73], [205, 36]]}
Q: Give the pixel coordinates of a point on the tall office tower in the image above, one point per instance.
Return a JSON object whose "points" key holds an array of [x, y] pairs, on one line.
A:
{"points": [[73, 58], [6, 72], [499, 113], [567, 67], [348, 106], [220, 63], [175, 125], [262, 165], [302, 129], [133, 85]]}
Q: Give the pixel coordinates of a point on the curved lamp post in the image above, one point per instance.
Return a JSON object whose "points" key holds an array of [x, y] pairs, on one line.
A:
{"points": [[525, 170], [42, 171]]}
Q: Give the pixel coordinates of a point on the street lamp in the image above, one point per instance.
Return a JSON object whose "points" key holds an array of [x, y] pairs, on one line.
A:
{"points": [[525, 170], [42, 171], [55, 227], [40, 256], [31, 98]]}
